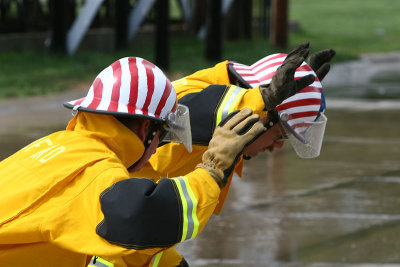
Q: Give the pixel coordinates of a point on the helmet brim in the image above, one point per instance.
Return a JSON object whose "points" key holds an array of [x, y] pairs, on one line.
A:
{"points": [[114, 113]]}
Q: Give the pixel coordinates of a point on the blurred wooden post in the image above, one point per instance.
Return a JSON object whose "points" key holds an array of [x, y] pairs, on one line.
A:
{"points": [[162, 34], [247, 18], [122, 9], [238, 20], [279, 33], [199, 14], [214, 30], [266, 17], [59, 24], [4, 9]]}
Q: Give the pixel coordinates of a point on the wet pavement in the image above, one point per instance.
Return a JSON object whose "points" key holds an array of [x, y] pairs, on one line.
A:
{"points": [[342, 209]]}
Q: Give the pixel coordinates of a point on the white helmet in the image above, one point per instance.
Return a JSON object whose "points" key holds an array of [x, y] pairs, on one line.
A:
{"points": [[301, 114], [134, 87]]}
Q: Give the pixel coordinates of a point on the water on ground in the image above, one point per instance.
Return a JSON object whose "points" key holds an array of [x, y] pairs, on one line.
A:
{"points": [[341, 209]]}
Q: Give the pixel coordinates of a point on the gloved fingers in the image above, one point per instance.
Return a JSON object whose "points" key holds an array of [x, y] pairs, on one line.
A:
{"points": [[319, 62], [298, 50], [303, 82], [246, 124], [255, 130], [227, 118], [289, 66], [323, 70], [319, 58], [297, 60], [237, 118]]}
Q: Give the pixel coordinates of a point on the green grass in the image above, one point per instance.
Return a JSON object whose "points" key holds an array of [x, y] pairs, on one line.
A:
{"points": [[31, 73], [351, 27]]}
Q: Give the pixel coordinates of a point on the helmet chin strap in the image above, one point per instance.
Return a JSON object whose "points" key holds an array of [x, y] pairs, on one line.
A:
{"points": [[147, 142]]}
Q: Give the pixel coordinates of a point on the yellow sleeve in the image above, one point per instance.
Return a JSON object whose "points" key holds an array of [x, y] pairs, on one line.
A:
{"points": [[166, 258], [83, 213], [127, 219], [202, 79], [171, 160], [253, 99]]}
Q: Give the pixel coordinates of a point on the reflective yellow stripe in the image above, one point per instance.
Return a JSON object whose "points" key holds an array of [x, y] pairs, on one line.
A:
{"points": [[156, 259], [99, 262], [190, 226], [236, 100], [194, 209], [221, 107], [231, 98], [184, 210]]}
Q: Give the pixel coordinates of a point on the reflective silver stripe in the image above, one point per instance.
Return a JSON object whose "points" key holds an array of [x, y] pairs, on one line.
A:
{"points": [[189, 204], [99, 262], [231, 98], [228, 104], [156, 259]]}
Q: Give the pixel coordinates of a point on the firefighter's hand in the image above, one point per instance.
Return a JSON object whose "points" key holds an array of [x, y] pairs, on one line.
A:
{"points": [[319, 62], [283, 84], [228, 142]]}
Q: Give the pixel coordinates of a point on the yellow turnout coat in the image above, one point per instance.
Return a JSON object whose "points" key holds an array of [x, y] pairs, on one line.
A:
{"points": [[69, 196]]}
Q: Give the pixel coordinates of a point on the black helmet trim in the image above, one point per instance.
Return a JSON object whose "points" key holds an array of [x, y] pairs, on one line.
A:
{"points": [[118, 114]]}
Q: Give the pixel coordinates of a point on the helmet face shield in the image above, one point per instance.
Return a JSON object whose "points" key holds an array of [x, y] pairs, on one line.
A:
{"points": [[178, 127], [306, 137], [301, 114]]}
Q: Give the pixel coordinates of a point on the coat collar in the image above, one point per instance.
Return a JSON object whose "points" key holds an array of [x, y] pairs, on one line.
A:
{"points": [[121, 140]]}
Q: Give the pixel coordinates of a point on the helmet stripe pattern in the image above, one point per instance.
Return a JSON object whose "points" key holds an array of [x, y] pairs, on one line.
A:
{"points": [[150, 87], [164, 99], [97, 91], [304, 106], [133, 86], [108, 80], [125, 81], [116, 67], [142, 94], [133, 69]]}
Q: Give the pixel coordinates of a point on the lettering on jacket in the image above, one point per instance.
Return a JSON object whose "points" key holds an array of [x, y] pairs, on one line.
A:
{"points": [[47, 152]]}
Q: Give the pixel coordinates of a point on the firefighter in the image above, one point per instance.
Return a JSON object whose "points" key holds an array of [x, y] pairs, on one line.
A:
{"points": [[69, 196], [211, 94]]}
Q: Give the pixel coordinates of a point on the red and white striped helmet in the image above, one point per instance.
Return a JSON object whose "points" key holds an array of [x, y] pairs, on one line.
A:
{"points": [[131, 86], [298, 113]]}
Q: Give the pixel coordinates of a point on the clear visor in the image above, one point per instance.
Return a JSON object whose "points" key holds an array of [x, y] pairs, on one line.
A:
{"points": [[307, 137], [178, 127]]}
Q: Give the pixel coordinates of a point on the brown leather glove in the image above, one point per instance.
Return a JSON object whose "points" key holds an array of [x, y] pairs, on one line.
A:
{"points": [[227, 144], [283, 84], [319, 62]]}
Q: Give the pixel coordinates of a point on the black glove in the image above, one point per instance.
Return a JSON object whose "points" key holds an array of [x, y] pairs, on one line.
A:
{"points": [[319, 62], [283, 84]]}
